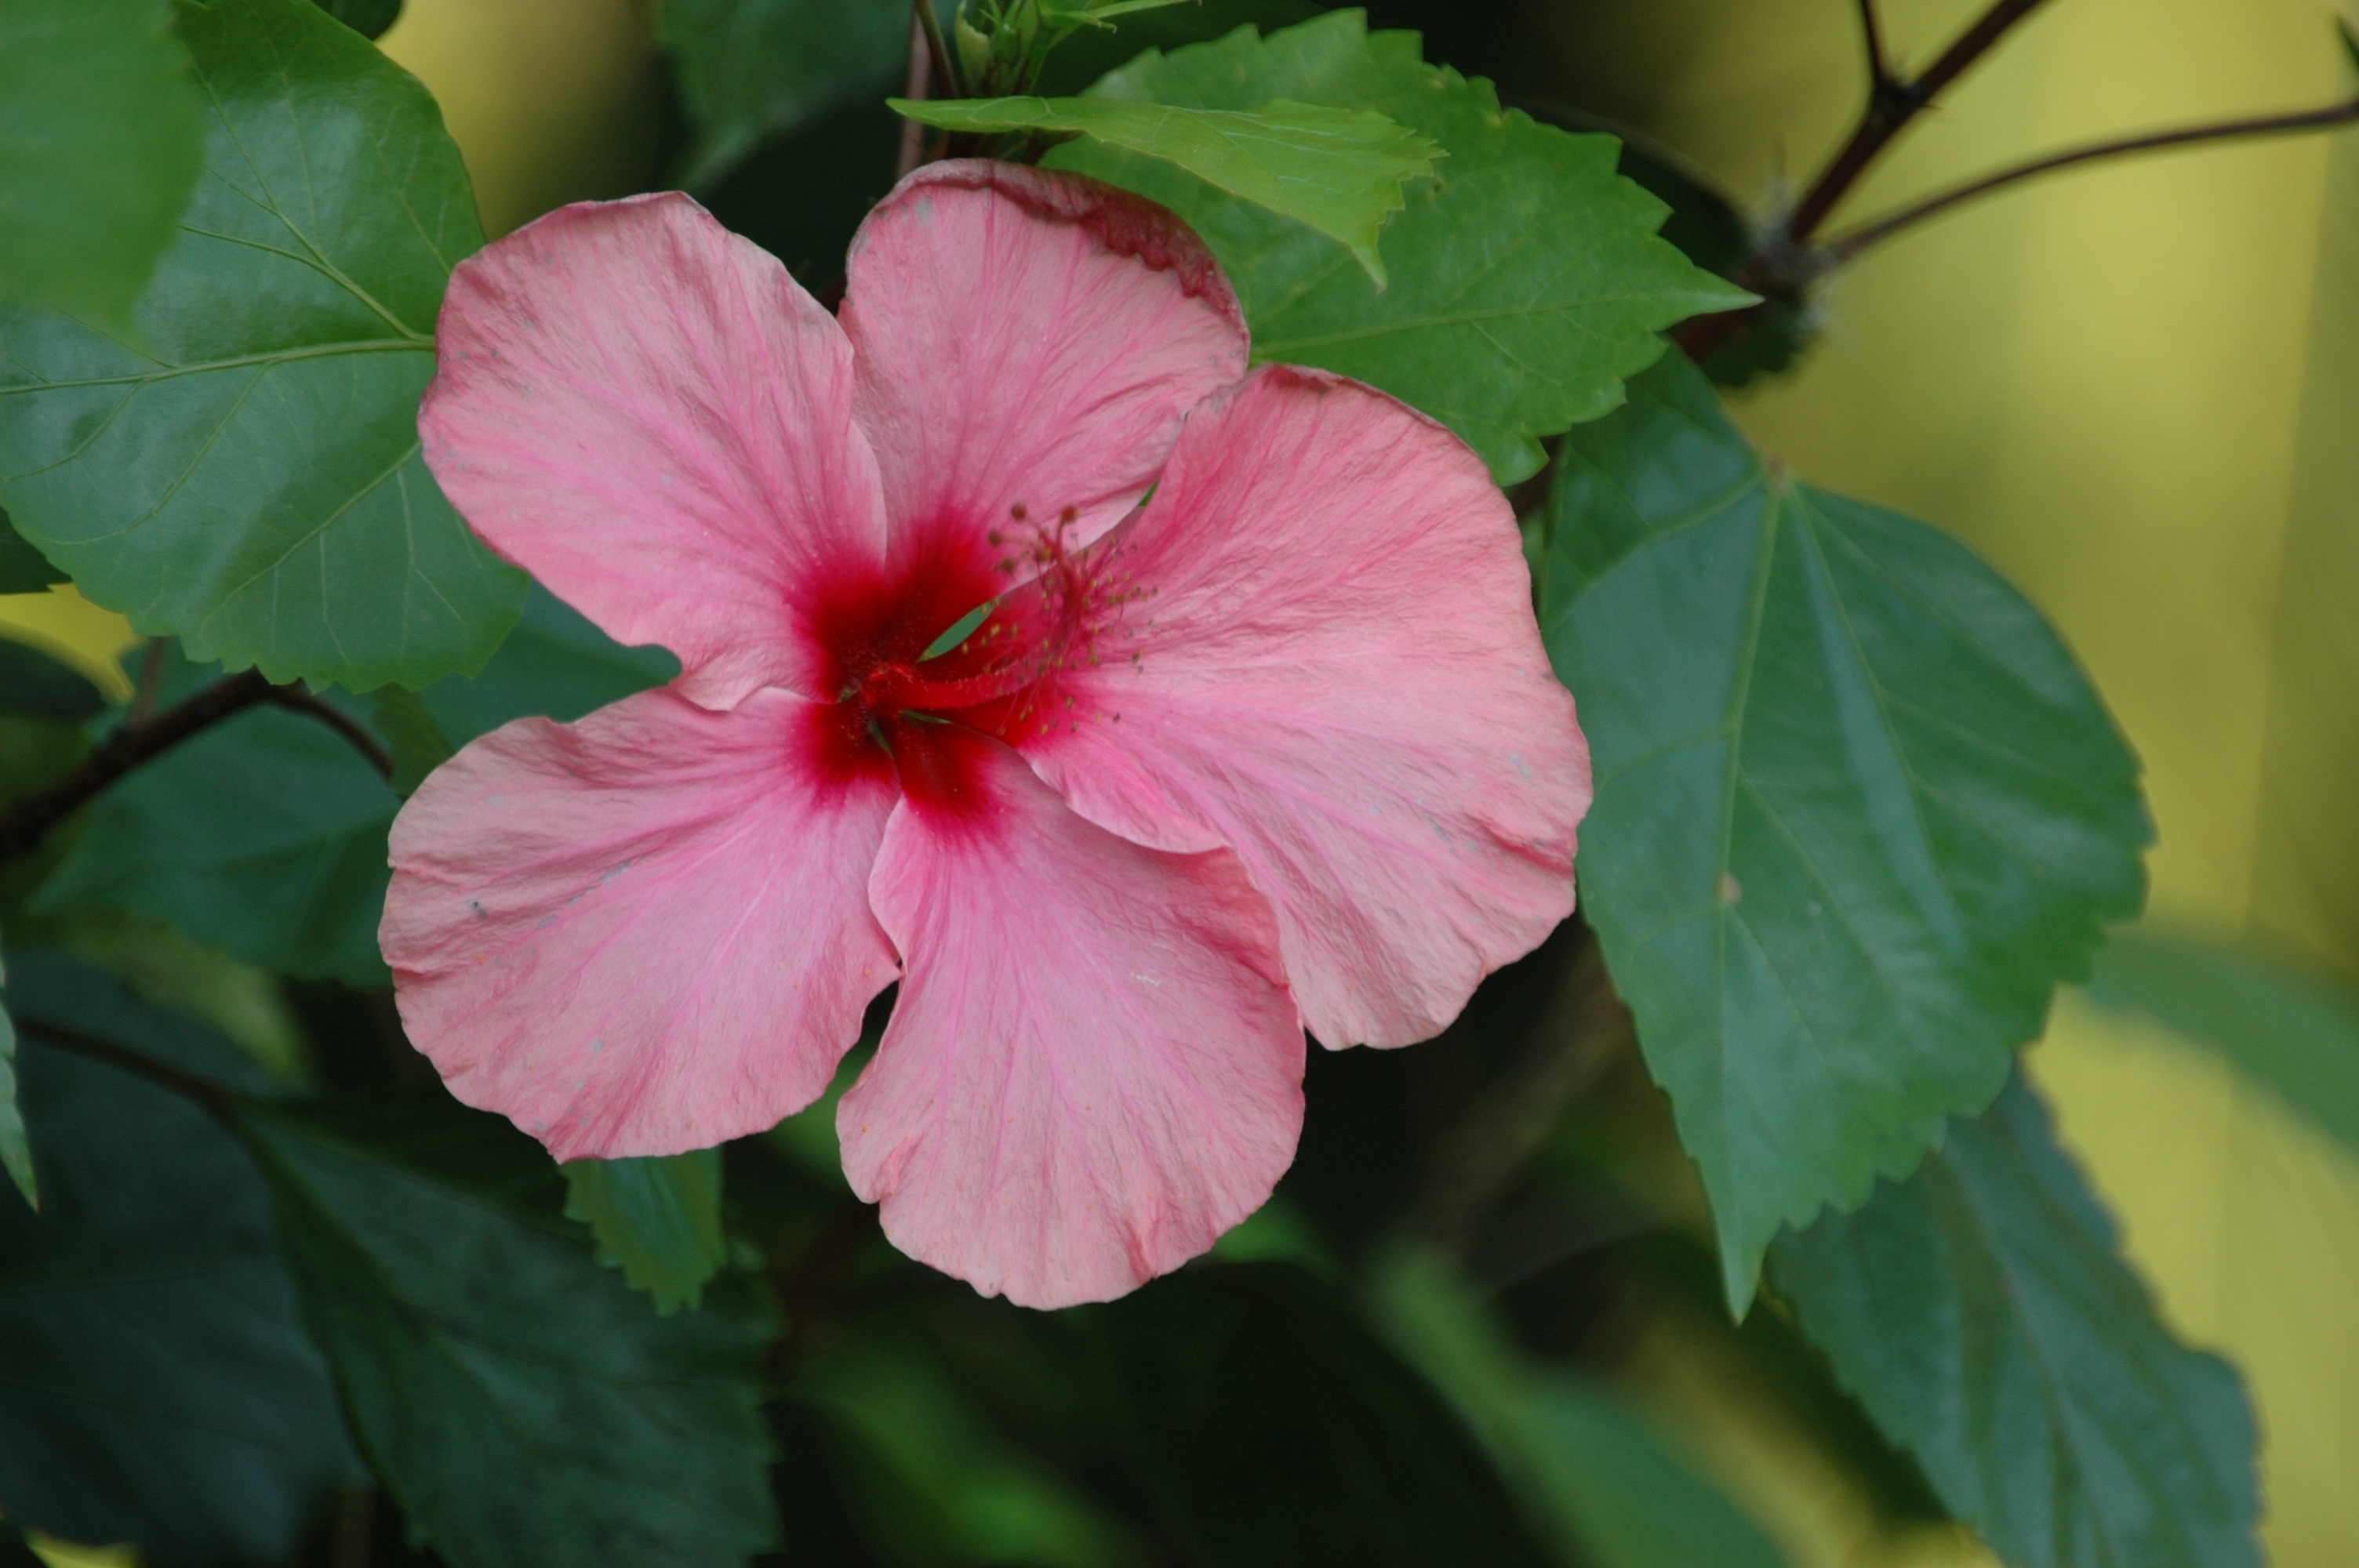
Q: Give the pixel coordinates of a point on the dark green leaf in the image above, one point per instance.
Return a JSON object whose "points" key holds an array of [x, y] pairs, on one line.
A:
{"points": [[1337, 171], [927, 1474], [264, 836], [1593, 1473], [156, 1385], [555, 664], [250, 478], [1290, 1436], [416, 743], [2296, 1033], [750, 69], [658, 1220], [369, 18], [23, 569], [519, 1402], [1857, 810], [16, 1153], [100, 128], [1981, 1312], [14, 1553], [35, 685], [1526, 279]]}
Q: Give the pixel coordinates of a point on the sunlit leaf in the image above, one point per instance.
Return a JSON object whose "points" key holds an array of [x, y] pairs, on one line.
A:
{"points": [[1338, 171], [155, 1385], [100, 128], [2295, 1032], [1525, 279], [1857, 811], [1981, 1311], [245, 470], [522, 1403], [656, 1219]]}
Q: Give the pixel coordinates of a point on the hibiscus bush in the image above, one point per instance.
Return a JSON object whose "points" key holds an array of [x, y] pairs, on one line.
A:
{"points": [[757, 888]]}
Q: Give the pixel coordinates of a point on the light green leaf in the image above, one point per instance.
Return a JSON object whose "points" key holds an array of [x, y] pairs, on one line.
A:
{"points": [[1595, 1475], [1981, 1312], [1857, 810], [100, 128], [519, 1402], [1338, 171], [656, 1219], [1525, 279], [752, 68], [155, 1384], [2294, 1032], [249, 477], [264, 836], [16, 1153], [411, 736]]}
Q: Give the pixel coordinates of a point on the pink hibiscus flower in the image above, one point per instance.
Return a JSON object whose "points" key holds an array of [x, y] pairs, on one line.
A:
{"points": [[1278, 748]]}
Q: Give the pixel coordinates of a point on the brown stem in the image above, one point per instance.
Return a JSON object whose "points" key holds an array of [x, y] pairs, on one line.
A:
{"points": [[1892, 103], [1871, 36], [295, 699], [212, 1097], [1845, 246], [915, 86], [24, 825]]}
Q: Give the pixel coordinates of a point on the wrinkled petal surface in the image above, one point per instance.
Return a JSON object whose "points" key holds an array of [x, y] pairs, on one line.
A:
{"points": [[1327, 663], [1013, 349], [1094, 1066], [648, 415], [645, 933]]}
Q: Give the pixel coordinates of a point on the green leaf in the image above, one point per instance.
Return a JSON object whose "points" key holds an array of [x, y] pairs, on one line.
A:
{"points": [[520, 1402], [16, 1153], [752, 68], [167, 971], [1526, 280], [23, 569], [369, 18], [1857, 810], [155, 1385], [929, 1478], [13, 1551], [1337, 171], [1981, 1312], [416, 744], [1596, 1475], [264, 836], [2294, 1033], [555, 665], [249, 477], [656, 1219], [38, 687], [100, 128]]}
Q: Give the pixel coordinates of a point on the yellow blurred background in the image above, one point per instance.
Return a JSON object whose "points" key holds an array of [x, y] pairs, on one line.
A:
{"points": [[2136, 389]]}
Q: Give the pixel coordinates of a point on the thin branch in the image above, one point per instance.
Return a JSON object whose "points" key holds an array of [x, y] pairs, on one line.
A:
{"points": [[1845, 246], [1891, 105], [212, 1097], [24, 825], [915, 86], [1871, 36], [295, 699], [946, 67]]}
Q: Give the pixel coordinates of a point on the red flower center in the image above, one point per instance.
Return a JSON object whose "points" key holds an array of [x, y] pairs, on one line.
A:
{"points": [[896, 710]]}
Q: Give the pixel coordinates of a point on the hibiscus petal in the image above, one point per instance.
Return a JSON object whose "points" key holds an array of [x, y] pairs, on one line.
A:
{"points": [[1025, 338], [1094, 1067], [648, 415], [645, 933], [1327, 663]]}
